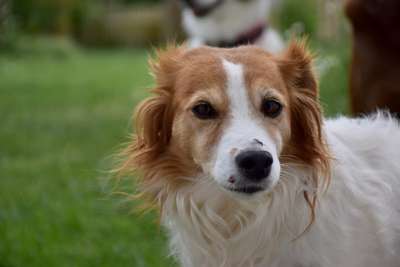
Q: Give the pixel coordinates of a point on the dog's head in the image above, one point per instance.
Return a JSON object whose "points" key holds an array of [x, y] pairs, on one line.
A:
{"points": [[232, 116]]}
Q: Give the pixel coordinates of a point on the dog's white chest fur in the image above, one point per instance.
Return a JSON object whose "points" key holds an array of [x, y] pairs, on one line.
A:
{"points": [[357, 219]]}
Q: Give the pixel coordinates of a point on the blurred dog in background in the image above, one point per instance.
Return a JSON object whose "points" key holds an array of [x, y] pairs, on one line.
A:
{"points": [[230, 23]]}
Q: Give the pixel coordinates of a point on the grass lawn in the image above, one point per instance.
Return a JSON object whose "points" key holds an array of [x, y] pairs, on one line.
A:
{"points": [[62, 117]]}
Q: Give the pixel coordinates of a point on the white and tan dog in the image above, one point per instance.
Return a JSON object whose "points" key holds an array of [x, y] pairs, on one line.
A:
{"points": [[234, 152], [230, 23]]}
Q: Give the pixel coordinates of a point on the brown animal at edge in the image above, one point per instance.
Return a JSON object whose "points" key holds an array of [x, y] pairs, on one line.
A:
{"points": [[375, 66]]}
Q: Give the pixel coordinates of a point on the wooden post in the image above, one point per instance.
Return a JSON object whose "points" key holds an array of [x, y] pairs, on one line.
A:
{"points": [[329, 19], [4, 13], [173, 27], [4, 16]]}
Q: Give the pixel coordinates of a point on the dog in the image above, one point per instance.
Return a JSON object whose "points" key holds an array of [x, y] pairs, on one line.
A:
{"points": [[229, 23], [233, 151], [375, 65]]}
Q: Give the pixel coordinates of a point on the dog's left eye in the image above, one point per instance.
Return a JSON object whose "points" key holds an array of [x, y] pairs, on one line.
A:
{"points": [[271, 108], [204, 111]]}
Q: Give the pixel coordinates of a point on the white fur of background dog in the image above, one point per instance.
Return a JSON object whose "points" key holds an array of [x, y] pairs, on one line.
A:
{"points": [[229, 20]]}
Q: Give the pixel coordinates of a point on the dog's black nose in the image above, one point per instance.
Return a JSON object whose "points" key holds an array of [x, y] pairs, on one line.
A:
{"points": [[254, 165]]}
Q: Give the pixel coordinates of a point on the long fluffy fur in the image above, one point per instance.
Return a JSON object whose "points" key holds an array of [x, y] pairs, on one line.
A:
{"points": [[355, 220], [358, 210]]}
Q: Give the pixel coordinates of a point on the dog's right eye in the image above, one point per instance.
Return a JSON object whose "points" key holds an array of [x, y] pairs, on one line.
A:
{"points": [[271, 108], [204, 111]]}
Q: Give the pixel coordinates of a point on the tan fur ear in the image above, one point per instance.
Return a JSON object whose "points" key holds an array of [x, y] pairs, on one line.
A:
{"points": [[165, 65], [148, 152], [307, 144], [296, 66], [154, 115], [153, 125]]}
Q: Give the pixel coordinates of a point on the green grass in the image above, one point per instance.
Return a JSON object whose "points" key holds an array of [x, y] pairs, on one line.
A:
{"points": [[62, 117], [334, 81]]}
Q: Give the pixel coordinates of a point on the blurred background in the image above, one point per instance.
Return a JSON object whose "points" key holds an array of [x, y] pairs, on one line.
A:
{"points": [[71, 72]]}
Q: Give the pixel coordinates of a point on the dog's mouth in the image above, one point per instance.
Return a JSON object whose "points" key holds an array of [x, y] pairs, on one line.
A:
{"points": [[249, 190]]}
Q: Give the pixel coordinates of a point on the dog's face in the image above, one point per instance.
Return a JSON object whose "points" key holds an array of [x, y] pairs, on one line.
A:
{"points": [[230, 115]]}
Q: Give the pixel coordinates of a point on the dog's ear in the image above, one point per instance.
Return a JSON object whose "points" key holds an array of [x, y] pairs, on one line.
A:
{"points": [[295, 65], [153, 116], [307, 143]]}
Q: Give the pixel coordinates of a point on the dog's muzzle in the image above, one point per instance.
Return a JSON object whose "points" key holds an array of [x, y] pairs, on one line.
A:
{"points": [[254, 166]]}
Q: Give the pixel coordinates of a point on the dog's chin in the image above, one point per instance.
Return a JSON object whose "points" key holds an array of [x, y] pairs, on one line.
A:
{"points": [[246, 190]]}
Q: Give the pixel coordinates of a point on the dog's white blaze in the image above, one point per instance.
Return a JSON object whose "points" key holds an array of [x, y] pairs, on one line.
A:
{"points": [[236, 90], [243, 129]]}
